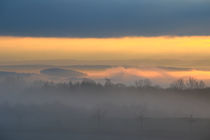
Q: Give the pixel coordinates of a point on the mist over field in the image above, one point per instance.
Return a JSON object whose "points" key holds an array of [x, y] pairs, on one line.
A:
{"points": [[50, 103]]}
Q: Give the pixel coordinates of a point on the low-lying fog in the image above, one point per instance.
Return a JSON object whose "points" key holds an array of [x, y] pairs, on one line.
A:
{"points": [[52, 102]]}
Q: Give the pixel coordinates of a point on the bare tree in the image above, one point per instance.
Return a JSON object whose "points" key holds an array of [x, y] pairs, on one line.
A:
{"points": [[179, 84], [202, 84], [143, 83], [108, 83], [192, 83], [88, 82]]}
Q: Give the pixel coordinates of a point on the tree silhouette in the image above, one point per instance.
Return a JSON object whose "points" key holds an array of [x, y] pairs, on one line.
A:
{"points": [[179, 84], [202, 84], [86, 82], [108, 83], [190, 83], [143, 83]]}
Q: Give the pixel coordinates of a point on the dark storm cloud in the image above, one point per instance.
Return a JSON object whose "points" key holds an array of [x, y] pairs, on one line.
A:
{"points": [[104, 18]]}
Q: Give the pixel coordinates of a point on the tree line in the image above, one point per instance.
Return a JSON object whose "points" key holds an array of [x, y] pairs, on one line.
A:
{"points": [[180, 84]]}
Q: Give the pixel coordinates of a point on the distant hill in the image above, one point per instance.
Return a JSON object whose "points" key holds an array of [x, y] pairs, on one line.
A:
{"points": [[6, 73], [61, 72]]}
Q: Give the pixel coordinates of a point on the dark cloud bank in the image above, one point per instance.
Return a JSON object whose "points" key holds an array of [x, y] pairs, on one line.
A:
{"points": [[104, 18]]}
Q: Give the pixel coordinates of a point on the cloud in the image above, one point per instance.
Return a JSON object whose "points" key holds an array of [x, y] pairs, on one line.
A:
{"points": [[158, 75], [61, 72], [104, 18], [175, 68]]}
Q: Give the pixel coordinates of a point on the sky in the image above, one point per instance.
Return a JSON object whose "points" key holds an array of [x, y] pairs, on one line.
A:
{"points": [[104, 18], [184, 48], [146, 33]]}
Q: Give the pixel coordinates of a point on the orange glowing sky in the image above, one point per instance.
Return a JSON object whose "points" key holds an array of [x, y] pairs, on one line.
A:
{"points": [[34, 48]]}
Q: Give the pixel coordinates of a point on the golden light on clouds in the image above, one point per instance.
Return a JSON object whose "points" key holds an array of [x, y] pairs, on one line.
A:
{"points": [[31, 48], [153, 73], [123, 71], [198, 74]]}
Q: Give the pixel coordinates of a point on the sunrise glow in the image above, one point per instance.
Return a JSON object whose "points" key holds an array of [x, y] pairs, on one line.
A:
{"points": [[103, 48]]}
